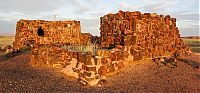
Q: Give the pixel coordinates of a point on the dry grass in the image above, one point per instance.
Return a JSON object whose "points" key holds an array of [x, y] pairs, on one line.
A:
{"points": [[6, 40], [193, 43], [82, 48]]}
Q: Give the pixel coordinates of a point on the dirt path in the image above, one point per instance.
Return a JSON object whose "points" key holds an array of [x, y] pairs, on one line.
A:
{"points": [[17, 76]]}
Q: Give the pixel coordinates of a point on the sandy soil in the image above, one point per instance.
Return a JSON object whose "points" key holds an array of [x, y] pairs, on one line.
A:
{"points": [[16, 75]]}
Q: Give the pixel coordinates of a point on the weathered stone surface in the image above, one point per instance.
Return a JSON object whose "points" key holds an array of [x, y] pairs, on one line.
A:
{"points": [[46, 32], [148, 35], [125, 37]]}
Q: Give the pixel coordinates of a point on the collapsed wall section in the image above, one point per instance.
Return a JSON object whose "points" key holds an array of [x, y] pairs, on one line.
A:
{"points": [[87, 67], [145, 35], [46, 32], [127, 36]]}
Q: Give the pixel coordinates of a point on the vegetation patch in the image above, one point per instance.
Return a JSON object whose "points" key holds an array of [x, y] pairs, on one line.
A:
{"points": [[6, 40], [193, 43]]}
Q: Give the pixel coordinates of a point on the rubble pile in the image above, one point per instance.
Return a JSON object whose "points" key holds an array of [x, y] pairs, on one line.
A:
{"points": [[89, 68]]}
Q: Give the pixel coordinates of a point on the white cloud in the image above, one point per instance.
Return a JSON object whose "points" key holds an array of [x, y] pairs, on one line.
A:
{"points": [[186, 16], [30, 6], [35, 7], [89, 11], [7, 27], [161, 6], [125, 6], [90, 25], [93, 1], [78, 6]]}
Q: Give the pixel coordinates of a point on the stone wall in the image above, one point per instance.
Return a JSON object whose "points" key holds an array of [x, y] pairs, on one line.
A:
{"points": [[145, 35], [87, 67], [46, 32], [85, 38], [125, 37]]}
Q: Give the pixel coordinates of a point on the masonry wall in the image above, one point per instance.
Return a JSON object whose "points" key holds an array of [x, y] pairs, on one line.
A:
{"points": [[125, 37], [46, 32], [144, 35], [85, 38], [83, 65]]}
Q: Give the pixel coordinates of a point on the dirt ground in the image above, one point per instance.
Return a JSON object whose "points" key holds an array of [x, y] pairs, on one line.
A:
{"points": [[16, 75]]}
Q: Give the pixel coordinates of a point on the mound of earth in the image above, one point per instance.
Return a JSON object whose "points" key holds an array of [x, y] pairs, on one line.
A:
{"points": [[16, 75]]}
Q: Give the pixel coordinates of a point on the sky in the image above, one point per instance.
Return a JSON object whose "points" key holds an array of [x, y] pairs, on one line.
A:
{"points": [[90, 11]]}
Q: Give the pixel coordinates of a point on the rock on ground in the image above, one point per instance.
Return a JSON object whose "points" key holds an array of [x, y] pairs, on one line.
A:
{"points": [[16, 75]]}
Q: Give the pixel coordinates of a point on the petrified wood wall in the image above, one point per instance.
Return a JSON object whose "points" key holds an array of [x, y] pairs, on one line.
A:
{"points": [[145, 35], [46, 32]]}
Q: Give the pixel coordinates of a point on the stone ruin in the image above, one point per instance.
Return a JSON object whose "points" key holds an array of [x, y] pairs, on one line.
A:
{"points": [[125, 37], [145, 35], [46, 32]]}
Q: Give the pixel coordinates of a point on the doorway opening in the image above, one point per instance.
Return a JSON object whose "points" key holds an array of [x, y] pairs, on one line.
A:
{"points": [[40, 31]]}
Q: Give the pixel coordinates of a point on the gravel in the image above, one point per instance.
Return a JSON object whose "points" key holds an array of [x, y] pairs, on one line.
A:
{"points": [[16, 75]]}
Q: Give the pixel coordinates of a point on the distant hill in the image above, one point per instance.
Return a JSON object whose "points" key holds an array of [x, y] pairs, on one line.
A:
{"points": [[191, 37]]}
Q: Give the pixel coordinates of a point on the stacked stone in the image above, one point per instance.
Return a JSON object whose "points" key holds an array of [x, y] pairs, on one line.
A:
{"points": [[144, 35], [85, 38], [46, 32], [125, 36], [88, 67], [51, 55]]}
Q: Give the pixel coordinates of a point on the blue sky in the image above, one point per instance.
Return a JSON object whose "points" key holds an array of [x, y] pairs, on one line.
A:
{"points": [[89, 12]]}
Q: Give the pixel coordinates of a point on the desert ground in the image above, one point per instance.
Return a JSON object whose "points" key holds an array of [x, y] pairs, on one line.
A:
{"points": [[6, 40], [16, 75]]}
